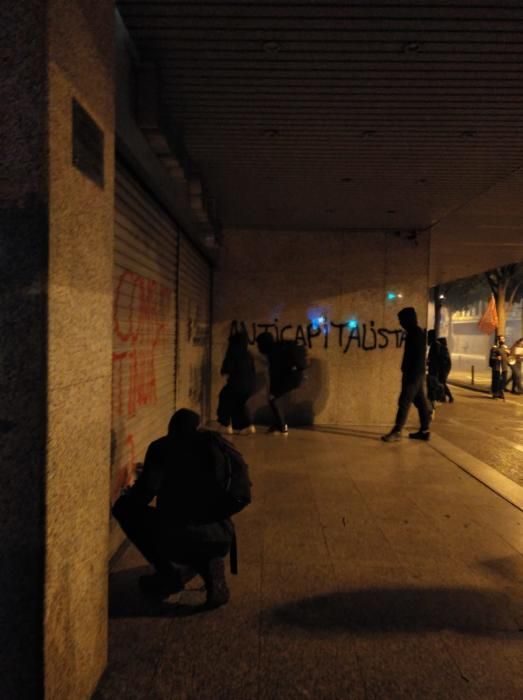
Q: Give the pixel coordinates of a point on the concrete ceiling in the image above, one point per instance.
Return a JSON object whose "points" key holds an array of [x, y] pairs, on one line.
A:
{"points": [[372, 114]]}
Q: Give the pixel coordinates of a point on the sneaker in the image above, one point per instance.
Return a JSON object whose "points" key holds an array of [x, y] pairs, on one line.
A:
{"points": [[420, 435], [249, 430], [278, 431], [161, 586], [393, 436]]}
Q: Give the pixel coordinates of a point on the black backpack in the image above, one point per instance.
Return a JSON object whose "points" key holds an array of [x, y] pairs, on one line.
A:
{"points": [[232, 473], [234, 485]]}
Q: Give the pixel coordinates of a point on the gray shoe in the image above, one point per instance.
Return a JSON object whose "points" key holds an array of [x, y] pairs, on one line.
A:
{"points": [[393, 436]]}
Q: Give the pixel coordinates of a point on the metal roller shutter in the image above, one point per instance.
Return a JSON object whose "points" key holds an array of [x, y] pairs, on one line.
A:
{"points": [[144, 327], [193, 359]]}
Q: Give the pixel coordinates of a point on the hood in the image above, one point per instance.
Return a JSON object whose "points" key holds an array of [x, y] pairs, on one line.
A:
{"points": [[408, 317], [265, 342]]}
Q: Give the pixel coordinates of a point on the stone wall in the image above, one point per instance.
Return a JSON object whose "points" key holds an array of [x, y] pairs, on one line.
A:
{"points": [[81, 212], [294, 279]]}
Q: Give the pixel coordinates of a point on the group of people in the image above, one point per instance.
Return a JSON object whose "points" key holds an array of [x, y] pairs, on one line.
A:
{"points": [[285, 367], [502, 358], [188, 532]]}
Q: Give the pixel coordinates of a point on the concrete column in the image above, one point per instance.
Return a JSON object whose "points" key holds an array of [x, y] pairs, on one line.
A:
{"points": [[55, 346]]}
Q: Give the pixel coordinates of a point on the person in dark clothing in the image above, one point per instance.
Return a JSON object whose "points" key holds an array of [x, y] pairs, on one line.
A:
{"points": [[282, 379], [434, 388], [238, 366], [445, 365], [515, 361], [498, 362], [413, 379], [181, 536]]}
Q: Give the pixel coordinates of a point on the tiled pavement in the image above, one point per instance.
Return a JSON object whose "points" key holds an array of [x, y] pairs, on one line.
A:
{"points": [[367, 571]]}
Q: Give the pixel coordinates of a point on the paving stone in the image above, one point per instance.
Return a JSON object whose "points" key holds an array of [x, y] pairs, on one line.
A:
{"points": [[366, 573]]}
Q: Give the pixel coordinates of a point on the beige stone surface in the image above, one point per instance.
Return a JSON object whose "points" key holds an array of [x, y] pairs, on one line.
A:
{"points": [[295, 276], [358, 578], [79, 346]]}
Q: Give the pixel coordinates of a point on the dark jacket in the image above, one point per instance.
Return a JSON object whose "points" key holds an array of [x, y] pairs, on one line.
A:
{"points": [[238, 365], [286, 363], [434, 358], [499, 358], [182, 476], [444, 357], [282, 373], [413, 364]]}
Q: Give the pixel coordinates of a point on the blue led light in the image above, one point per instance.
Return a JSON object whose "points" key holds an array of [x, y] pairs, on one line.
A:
{"points": [[391, 295], [352, 324], [319, 322]]}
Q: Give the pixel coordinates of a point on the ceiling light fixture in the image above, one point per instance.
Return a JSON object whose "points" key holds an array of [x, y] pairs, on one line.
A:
{"points": [[411, 47], [271, 46]]}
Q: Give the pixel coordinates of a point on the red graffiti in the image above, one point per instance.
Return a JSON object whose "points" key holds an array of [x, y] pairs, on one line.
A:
{"points": [[127, 472], [142, 312]]}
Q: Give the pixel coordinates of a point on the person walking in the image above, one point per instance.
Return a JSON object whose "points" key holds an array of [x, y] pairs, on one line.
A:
{"points": [[413, 379], [435, 391], [445, 365], [515, 361], [286, 364], [238, 367], [498, 362]]}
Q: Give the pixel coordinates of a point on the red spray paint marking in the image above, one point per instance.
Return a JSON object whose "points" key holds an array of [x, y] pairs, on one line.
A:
{"points": [[142, 309]]}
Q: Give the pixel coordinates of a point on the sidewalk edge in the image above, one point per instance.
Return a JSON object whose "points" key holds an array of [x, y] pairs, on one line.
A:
{"points": [[488, 476]]}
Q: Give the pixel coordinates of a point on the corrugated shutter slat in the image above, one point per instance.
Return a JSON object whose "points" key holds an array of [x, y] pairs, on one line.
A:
{"points": [[144, 325]]}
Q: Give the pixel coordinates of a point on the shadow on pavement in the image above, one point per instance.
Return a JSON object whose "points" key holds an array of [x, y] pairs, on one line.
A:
{"points": [[508, 568], [385, 610]]}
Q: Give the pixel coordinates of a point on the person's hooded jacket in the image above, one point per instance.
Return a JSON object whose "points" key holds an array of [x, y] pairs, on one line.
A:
{"points": [[413, 364]]}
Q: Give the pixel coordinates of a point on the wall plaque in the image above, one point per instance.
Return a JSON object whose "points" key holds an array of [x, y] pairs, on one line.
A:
{"points": [[88, 145]]}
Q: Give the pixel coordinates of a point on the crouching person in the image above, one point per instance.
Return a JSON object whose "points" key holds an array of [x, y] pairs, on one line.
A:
{"points": [[189, 531]]}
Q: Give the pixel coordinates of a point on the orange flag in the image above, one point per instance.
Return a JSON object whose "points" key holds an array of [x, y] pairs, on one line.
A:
{"points": [[489, 321]]}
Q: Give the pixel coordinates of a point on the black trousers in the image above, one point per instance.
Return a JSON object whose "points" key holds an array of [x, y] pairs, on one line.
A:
{"points": [[277, 404], [232, 408], [144, 527], [413, 392], [499, 380], [516, 378], [443, 379]]}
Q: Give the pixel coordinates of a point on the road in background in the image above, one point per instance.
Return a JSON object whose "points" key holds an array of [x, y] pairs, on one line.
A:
{"points": [[489, 429]]}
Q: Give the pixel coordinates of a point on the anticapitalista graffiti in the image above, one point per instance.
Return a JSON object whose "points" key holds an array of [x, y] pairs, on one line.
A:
{"points": [[345, 335]]}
